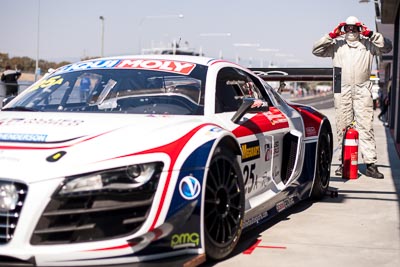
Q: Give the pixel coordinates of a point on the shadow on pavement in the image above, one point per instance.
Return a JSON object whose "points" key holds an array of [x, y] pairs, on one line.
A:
{"points": [[250, 236]]}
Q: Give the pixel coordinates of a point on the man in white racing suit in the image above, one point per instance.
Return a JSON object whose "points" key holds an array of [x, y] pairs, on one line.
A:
{"points": [[352, 47]]}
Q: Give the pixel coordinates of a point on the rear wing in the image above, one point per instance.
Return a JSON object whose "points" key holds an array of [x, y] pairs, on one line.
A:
{"points": [[301, 74]]}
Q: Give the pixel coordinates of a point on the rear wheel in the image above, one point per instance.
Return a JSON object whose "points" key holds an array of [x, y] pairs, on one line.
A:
{"points": [[224, 205], [323, 168]]}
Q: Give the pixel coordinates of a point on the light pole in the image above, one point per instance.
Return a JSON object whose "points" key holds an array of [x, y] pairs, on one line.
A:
{"points": [[102, 35], [37, 70], [179, 16]]}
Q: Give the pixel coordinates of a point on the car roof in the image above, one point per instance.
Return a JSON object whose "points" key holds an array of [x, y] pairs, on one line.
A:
{"points": [[201, 60]]}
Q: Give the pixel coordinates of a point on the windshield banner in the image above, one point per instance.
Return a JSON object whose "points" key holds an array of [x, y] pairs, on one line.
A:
{"points": [[161, 65]]}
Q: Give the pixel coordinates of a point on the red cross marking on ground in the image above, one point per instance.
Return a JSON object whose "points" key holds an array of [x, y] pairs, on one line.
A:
{"points": [[255, 245]]}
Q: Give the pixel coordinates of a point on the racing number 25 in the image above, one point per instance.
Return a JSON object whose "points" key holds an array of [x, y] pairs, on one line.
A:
{"points": [[248, 173]]}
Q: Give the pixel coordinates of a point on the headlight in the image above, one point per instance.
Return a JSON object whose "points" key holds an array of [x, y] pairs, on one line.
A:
{"points": [[8, 197], [124, 178]]}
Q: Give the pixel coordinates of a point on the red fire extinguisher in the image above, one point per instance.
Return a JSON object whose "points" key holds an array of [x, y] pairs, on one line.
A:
{"points": [[350, 153]]}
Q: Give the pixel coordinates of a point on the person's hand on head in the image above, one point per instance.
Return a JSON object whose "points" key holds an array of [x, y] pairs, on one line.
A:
{"points": [[337, 31], [364, 30]]}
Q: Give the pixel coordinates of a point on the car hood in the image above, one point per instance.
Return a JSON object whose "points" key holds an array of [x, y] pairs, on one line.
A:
{"points": [[28, 141]]}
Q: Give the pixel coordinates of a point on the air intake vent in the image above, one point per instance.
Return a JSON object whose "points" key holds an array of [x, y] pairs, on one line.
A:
{"points": [[11, 261], [289, 156]]}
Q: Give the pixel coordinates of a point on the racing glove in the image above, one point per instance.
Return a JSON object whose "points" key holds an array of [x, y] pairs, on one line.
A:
{"points": [[337, 31], [365, 31]]}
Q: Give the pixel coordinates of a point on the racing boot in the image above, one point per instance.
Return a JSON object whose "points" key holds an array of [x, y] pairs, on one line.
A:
{"points": [[339, 170], [372, 171]]}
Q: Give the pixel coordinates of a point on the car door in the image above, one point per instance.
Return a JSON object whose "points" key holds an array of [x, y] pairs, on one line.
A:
{"points": [[260, 135]]}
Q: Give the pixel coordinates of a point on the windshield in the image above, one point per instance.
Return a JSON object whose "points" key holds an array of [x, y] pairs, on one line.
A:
{"points": [[136, 91]]}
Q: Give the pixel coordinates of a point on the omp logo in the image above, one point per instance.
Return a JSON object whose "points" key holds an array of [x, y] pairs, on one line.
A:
{"points": [[250, 151], [185, 240], [189, 187]]}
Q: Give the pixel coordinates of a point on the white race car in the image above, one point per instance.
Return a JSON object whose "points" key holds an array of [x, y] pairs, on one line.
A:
{"points": [[141, 158]]}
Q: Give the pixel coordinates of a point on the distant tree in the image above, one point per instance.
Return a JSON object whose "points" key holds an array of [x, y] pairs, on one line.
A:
{"points": [[26, 64], [3, 60]]}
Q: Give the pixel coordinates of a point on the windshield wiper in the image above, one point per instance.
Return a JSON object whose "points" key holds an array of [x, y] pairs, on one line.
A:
{"points": [[19, 108]]}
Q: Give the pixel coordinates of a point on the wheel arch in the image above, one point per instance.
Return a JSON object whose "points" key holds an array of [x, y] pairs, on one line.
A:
{"points": [[230, 143], [325, 128], [326, 124]]}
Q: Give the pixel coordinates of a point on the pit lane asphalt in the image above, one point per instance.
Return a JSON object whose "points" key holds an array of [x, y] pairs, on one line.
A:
{"points": [[358, 228]]}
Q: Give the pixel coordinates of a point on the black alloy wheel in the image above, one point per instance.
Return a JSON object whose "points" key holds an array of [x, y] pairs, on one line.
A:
{"points": [[224, 205], [323, 168]]}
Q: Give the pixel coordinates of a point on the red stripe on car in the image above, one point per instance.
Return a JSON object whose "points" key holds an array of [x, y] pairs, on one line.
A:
{"points": [[274, 119]]}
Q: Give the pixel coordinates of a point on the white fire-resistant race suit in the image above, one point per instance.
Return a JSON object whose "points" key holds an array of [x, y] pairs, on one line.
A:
{"points": [[355, 100]]}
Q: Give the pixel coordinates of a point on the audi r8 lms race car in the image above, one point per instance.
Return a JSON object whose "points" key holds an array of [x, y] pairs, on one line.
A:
{"points": [[140, 158]]}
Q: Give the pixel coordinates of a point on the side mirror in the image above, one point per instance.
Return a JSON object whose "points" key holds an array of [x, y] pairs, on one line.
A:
{"points": [[245, 107]]}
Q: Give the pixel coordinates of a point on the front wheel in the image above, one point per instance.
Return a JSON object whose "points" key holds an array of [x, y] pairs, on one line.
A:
{"points": [[323, 168], [224, 205]]}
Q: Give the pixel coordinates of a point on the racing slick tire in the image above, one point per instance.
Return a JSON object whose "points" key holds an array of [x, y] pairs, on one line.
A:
{"points": [[224, 205], [323, 165]]}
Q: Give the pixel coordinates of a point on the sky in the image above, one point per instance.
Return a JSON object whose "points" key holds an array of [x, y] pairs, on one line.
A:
{"points": [[253, 33]]}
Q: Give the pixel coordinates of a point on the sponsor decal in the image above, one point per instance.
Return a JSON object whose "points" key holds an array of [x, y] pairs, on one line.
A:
{"points": [[265, 179], [250, 151], [162, 65], [23, 137], [9, 159], [95, 64], [275, 116], [215, 129], [185, 240], [310, 131], [189, 187], [284, 204], [255, 219], [48, 82], [268, 152], [276, 149], [184, 68]]}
